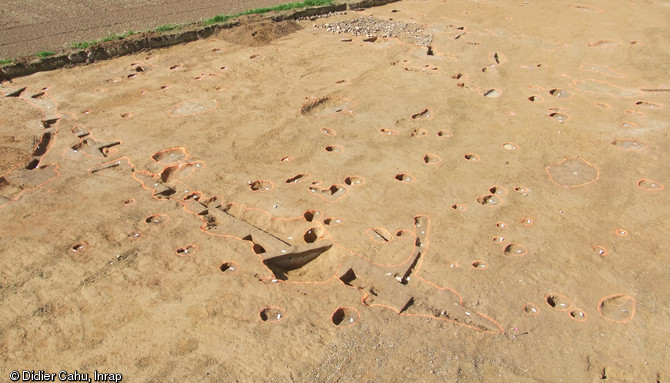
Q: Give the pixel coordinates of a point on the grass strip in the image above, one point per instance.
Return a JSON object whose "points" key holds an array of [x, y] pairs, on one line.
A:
{"points": [[257, 11], [116, 36], [222, 18]]}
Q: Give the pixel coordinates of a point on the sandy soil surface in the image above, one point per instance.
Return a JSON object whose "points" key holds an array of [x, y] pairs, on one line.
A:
{"points": [[28, 27], [284, 203]]}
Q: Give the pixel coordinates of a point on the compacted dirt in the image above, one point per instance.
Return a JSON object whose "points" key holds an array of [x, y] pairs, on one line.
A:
{"points": [[480, 198]]}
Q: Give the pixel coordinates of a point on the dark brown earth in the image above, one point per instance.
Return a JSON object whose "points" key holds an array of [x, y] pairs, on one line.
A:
{"points": [[28, 27]]}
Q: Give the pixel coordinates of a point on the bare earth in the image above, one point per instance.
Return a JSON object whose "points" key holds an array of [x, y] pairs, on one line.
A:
{"points": [[284, 203], [28, 27]]}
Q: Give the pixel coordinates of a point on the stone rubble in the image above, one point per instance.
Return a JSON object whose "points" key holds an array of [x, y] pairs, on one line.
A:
{"points": [[373, 27]]}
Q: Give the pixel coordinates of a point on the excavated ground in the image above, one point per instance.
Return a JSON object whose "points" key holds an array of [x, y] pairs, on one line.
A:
{"points": [[426, 191]]}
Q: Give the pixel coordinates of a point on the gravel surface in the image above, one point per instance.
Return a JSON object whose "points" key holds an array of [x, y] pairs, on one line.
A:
{"points": [[373, 27]]}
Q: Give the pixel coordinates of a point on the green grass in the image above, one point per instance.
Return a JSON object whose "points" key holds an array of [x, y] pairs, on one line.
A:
{"points": [[83, 44], [166, 28], [6, 61], [45, 54], [214, 20], [116, 36], [256, 11]]}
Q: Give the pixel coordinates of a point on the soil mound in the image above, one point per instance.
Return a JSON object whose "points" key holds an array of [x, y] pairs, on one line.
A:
{"points": [[259, 33]]}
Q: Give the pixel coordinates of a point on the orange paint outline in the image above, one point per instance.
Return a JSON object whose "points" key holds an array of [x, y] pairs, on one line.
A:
{"points": [[268, 320], [602, 301], [572, 186], [459, 207], [388, 132], [260, 183], [402, 178], [486, 92], [615, 73], [350, 178], [444, 133], [107, 149], [581, 319], [480, 265], [331, 219], [203, 76], [419, 115], [326, 234], [39, 157], [133, 235], [329, 132], [148, 219], [427, 159], [155, 156], [639, 184], [483, 198], [399, 234], [644, 144], [559, 116], [509, 246], [634, 113], [417, 276], [516, 147], [230, 265], [369, 231], [495, 188], [79, 247], [648, 104], [418, 132], [191, 114], [297, 178], [575, 84], [557, 90], [604, 44], [318, 191], [527, 305], [186, 250], [600, 250], [337, 149], [546, 300], [311, 215], [103, 166]]}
